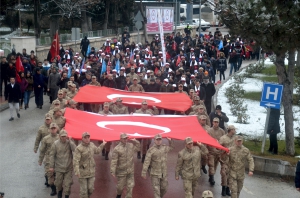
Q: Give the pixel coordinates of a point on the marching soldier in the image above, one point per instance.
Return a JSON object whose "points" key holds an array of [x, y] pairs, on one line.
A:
{"points": [[122, 165], [72, 93], [135, 87], [60, 97], [58, 118], [202, 120], [156, 160], [118, 107], [214, 154], [188, 166], [45, 155], [226, 141], [201, 111], [61, 162], [146, 142], [84, 164], [238, 155]]}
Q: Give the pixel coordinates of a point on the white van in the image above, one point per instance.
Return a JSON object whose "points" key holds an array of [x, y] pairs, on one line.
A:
{"points": [[204, 24], [206, 16]]}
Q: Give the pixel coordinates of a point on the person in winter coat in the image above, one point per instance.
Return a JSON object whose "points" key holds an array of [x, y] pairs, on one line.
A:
{"points": [[233, 59], [210, 91], [297, 176], [38, 80], [222, 65], [13, 95], [23, 85], [28, 89], [273, 129]]}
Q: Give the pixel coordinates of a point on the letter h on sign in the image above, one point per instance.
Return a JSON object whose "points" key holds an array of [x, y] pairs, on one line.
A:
{"points": [[271, 95]]}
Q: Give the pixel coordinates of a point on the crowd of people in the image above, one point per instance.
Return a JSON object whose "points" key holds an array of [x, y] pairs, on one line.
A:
{"points": [[191, 67]]}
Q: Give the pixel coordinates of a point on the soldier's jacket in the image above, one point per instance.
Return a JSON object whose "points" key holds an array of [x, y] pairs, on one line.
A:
{"points": [[216, 133], [47, 142], [43, 132], [227, 142], [83, 160], [61, 156], [156, 160], [134, 75], [147, 111], [71, 94], [103, 113], [195, 107], [67, 98], [60, 121], [237, 158], [118, 110], [188, 163], [206, 127], [122, 158], [63, 103], [182, 92], [95, 84], [137, 88], [207, 117]]}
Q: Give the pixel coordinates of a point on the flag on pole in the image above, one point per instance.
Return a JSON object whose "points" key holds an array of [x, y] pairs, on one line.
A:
{"points": [[88, 51], [54, 50], [19, 65], [69, 71], [118, 66], [221, 45], [178, 60], [103, 67], [82, 64], [161, 32], [131, 55]]}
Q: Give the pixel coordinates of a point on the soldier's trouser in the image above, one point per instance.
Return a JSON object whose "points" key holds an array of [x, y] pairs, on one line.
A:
{"points": [[159, 185], [235, 186], [63, 181], [50, 175], [189, 186], [95, 108], [224, 174], [107, 146], [86, 187], [203, 160], [127, 181], [213, 161], [145, 144]]}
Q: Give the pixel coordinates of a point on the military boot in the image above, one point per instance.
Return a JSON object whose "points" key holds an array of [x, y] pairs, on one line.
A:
{"points": [[59, 194], [204, 170], [211, 180], [53, 192], [228, 191], [143, 158], [139, 155], [106, 155], [103, 152], [46, 182], [118, 196], [223, 191]]}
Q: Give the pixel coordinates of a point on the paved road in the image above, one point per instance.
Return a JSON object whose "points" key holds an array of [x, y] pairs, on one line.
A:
{"points": [[22, 177]]}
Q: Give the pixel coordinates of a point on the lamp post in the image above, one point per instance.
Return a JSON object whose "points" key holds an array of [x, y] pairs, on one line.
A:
{"points": [[199, 18]]}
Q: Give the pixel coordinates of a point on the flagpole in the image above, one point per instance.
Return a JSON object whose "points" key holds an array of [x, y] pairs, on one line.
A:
{"points": [[56, 35]]}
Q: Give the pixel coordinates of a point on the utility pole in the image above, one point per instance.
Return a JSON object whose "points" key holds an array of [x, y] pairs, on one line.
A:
{"points": [[199, 18], [20, 26]]}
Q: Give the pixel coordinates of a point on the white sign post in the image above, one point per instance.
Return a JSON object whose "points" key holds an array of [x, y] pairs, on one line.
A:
{"points": [[161, 32]]}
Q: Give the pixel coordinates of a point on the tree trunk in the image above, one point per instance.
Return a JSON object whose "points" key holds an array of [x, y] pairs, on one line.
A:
{"points": [[286, 78], [145, 20], [54, 25], [84, 23], [107, 5], [298, 58], [89, 21], [37, 29]]}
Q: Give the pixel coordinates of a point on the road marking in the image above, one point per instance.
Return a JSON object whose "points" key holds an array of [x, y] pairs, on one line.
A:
{"points": [[247, 191]]}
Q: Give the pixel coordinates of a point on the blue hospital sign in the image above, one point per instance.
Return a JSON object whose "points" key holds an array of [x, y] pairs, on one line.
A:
{"points": [[271, 95]]}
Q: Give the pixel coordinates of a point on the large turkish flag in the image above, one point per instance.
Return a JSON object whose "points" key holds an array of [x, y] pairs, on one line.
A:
{"points": [[172, 101], [110, 127]]}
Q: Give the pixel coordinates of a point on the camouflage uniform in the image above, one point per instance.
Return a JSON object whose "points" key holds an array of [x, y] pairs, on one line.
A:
{"points": [[95, 107], [72, 94], [122, 166], [45, 153], [188, 167], [119, 109], [182, 92], [237, 158], [156, 163], [60, 121], [207, 117], [63, 103], [132, 76], [204, 158], [227, 142], [84, 165], [61, 160], [43, 131], [146, 142], [136, 88], [214, 154], [108, 144]]}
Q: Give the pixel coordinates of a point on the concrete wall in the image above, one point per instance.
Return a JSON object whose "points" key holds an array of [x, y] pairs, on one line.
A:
{"points": [[22, 42], [97, 42]]}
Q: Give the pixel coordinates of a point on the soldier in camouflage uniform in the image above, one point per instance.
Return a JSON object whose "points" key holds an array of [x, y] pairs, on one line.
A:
{"points": [[156, 163], [95, 107], [61, 161], [188, 166], [84, 164], [65, 92], [45, 154], [55, 103], [133, 75], [146, 142], [135, 87], [201, 111], [108, 144], [238, 155], [180, 89], [122, 165], [72, 93], [214, 154], [196, 104], [58, 118], [226, 141], [60, 97], [202, 120], [118, 107]]}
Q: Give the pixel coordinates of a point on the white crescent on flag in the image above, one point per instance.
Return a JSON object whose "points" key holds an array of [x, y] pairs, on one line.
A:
{"points": [[113, 96]]}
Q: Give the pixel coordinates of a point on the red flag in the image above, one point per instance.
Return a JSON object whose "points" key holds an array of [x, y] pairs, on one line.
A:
{"points": [[54, 50], [109, 127], [126, 88], [172, 101], [156, 70], [19, 65], [178, 60]]}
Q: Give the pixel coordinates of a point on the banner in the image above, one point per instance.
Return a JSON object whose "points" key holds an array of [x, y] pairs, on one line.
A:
{"points": [[155, 14], [171, 101], [110, 127], [161, 32]]}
